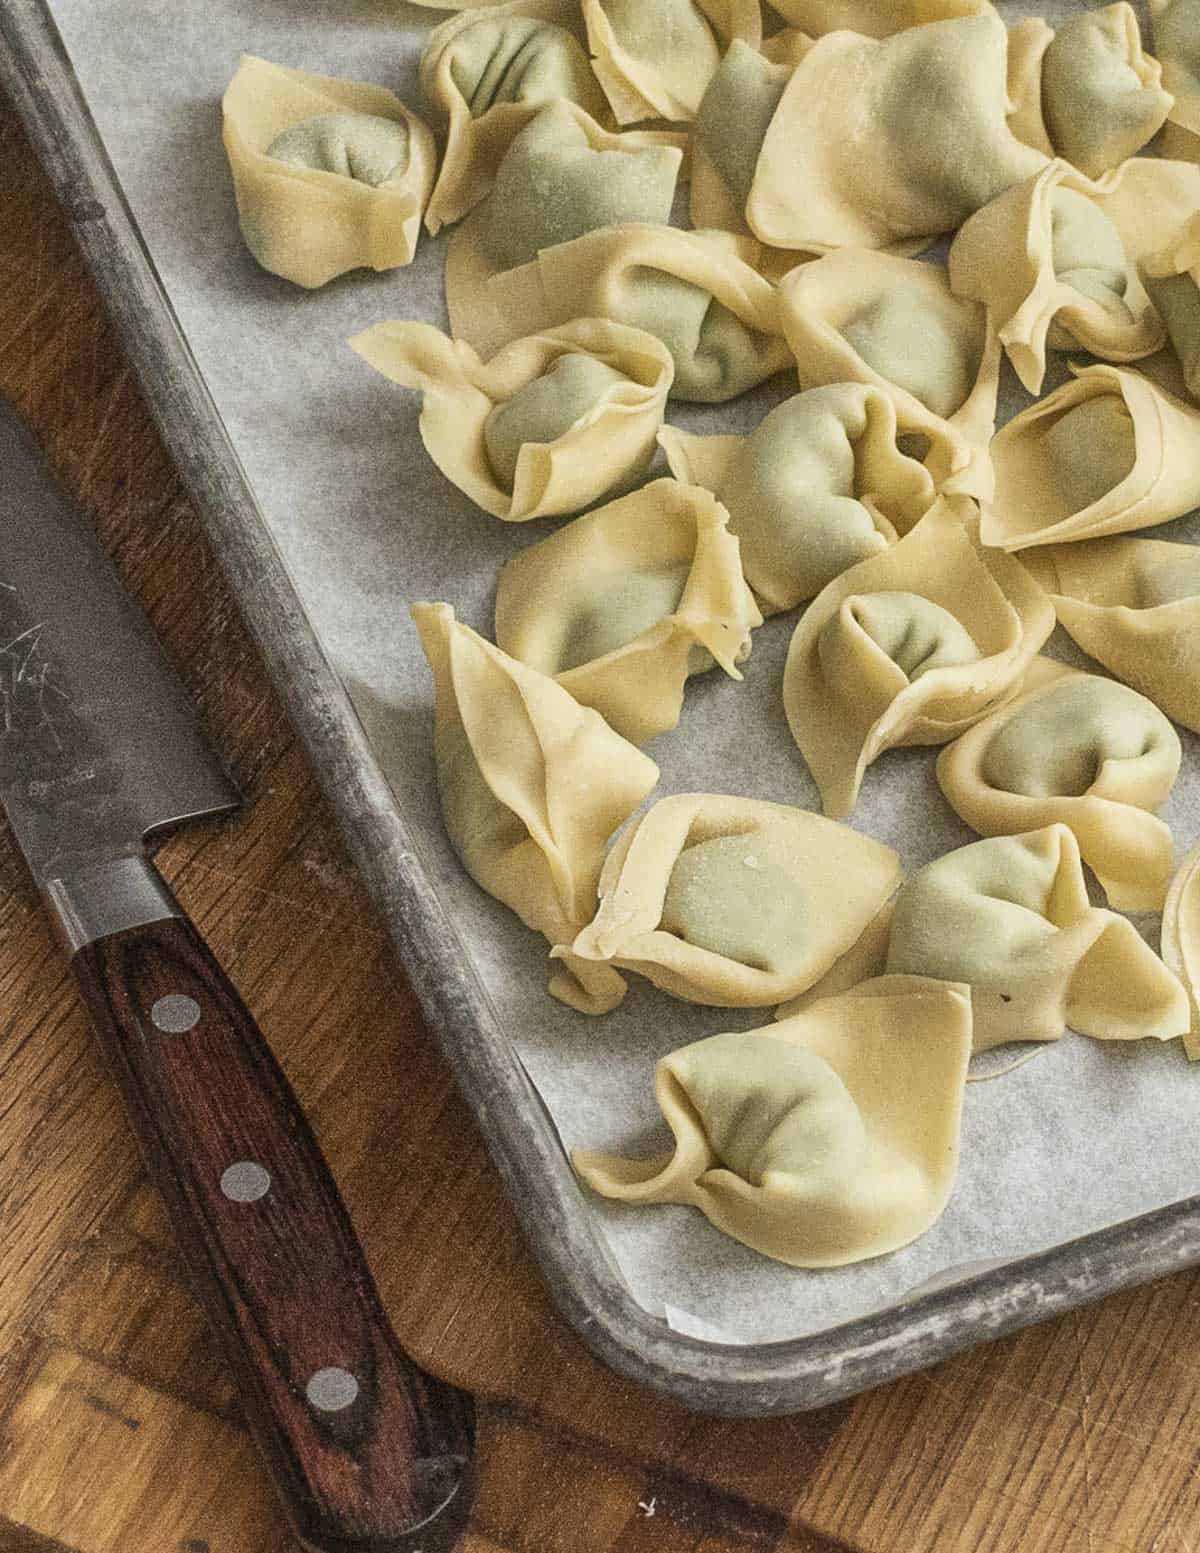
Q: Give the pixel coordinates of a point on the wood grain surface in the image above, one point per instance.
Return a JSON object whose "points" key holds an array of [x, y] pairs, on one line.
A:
{"points": [[119, 1430]]}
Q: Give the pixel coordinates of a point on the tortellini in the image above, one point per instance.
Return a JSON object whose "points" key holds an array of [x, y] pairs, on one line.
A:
{"points": [[908, 647], [654, 58], [1051, 269], [563, 176], [819, 485], [1177, 45], [1010, 917], [623, 604], [1181, 943], [876, 144], [1102, 95], [1084, 751], [1107, 453], [866, 317], [329, 175], [1134, 606], [490, 73], [819, 1141], [874, 18], [712, 310], [547, 426], [791, 896], [532, 785]]}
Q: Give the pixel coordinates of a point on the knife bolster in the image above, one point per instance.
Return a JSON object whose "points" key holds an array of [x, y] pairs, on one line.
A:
{"points": [[96, 900]]}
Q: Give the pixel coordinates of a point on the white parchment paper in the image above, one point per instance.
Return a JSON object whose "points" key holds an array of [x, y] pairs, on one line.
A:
{"points": [[1082, 1136]]}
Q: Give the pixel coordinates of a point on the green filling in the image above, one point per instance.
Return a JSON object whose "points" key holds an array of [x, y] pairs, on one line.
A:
{"points": [[622, 610], [545, 410], [363, 146], [726, 896], [1056, 745], [933, 352], [1091, 449]]}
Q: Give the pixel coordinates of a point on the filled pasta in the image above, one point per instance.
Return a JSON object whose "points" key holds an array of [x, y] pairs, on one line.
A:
{"points": [[622, 605], [1102, 94], [532, 785], [819, 1141], [1107, 453], [1177, 46], [716, 315], [549, 425], [1134, 606], [818, 486], [732, 901], [488, 73], [880, 143], [1010, 918], [1050, 267], [1181, 942], [329, 175], [911, 646], [865, 317], [1079, 750], [654, 58]]}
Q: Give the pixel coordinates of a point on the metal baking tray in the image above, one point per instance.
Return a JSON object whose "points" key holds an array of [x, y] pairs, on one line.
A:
{"points": [[746, 1379]]}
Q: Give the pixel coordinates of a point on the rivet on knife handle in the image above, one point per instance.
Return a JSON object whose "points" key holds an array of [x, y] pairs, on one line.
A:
{"points": [[368, 1451]]}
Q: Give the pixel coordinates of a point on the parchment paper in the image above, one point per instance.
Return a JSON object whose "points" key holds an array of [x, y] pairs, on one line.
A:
{"points": [[1082, 1136]]}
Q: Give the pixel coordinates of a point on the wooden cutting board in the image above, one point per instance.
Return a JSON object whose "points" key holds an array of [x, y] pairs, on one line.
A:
{"points": [[118, 1431]]}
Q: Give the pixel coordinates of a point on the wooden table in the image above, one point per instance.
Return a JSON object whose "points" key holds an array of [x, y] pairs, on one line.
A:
{"points": [[118, 1431]]}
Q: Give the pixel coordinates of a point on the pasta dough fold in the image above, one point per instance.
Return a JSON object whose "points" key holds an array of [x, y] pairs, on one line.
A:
{"points": [[857, 316], [623, 604], [1105, 454], [1050, 268], [1181, 943], [329, 175], [1134, 606], [876, 143], [911, 646], [1010, 917], [819, 485], [547, 426], [1082, 751], [825, 880], [654, 58], [693, 290], [824, 1140], [489, 74], [532, 785]]}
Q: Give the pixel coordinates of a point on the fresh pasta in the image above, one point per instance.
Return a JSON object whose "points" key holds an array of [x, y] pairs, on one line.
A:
{"points": [[329, 175]]}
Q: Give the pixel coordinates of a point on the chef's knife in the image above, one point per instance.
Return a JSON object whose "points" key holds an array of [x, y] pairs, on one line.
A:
{"points": [[99, 753]]}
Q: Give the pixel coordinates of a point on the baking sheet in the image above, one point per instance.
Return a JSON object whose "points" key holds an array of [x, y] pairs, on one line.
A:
{"points": [[1083, 1136]]}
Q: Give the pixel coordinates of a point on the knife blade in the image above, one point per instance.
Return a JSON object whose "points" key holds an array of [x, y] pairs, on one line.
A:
{"points": [[100, 752]]}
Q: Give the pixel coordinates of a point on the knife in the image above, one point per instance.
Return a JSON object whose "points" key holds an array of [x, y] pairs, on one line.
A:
{"points": [[99, 754]]}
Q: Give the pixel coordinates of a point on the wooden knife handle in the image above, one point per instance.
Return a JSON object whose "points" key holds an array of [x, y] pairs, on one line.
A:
{"points": [[369, 1453]]}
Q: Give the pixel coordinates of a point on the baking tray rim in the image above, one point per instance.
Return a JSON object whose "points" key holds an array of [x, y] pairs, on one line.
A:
{"points": [[737, 1380]]}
